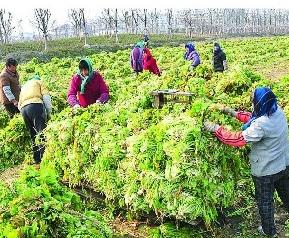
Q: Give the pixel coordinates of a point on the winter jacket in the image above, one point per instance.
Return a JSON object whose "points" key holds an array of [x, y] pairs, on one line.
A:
{"points": [[136, 59], [95, 89], [149, 62], [269, 138], [34, 91], [194, 57], [218, 60], [10, 79]]}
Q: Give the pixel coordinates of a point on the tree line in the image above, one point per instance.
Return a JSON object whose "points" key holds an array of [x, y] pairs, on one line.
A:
{"points": [[192, 22]]}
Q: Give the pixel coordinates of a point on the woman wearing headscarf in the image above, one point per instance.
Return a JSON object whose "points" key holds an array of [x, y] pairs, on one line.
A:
{"points": [[219, 58], [192, 54], [87, 86], [266, 130], [35, 107], [150, 63], [136, 57], [146, 41]]}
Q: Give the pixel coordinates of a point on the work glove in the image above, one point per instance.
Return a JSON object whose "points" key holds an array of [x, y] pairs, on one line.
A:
{"points": [[210, 126], [229, 111], [76, 106]]}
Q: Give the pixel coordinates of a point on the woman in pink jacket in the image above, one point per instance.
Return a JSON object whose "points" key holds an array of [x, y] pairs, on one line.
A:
{"points": [[87, 87]]}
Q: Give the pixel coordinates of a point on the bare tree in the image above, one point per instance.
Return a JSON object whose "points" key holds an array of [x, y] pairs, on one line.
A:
{"points": [[154, 21], [78, 21], [43, 22], [75, 20], [126, 20], [116, 25], [6, 27], [108, 21], [170, 22], [144, 19], [188, 21], [134, 20], [110, 18], [83, 24], [20, 29]]}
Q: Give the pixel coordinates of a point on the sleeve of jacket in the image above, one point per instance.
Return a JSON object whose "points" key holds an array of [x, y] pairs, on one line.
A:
{"points": [[4, 80], [196, 59], [72, 92], [243, 116], [235, 139], [131, 58], [155, 67], [43, 88], [190, 57], [254, 132], [8, 93], [224, 56], [45, 97], [104, 91]]}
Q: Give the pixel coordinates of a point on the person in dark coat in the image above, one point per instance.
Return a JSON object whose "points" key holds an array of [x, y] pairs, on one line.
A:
{"points": [[219, 58], [146, 41]]}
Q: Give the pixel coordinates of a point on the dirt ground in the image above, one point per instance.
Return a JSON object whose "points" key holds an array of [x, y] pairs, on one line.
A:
{"points": [[10, 174], [247, 226], [275, 71], [229, 227], [235, 227]]}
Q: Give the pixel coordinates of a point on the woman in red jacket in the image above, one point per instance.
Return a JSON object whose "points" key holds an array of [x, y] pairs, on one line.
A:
{"points": [[149, 62]]}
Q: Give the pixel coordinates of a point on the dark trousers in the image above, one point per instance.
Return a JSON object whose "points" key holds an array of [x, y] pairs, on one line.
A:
{"points": [[11, 109], [35, 120], [264, 191]]}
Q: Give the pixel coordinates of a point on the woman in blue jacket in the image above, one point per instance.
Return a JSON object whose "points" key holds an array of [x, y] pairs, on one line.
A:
{"points": [[192, 54]]}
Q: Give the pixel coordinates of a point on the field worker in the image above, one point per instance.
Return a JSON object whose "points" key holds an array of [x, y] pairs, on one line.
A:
{"points": [[192, 54], [150, 63], [87, 86], [10, 87], [136, 57], [267, 131], [219, 59], [35, 106], [146, 41]]}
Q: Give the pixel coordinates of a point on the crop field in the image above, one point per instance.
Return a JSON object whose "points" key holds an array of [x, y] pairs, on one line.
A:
{"points": [[146, 163]]}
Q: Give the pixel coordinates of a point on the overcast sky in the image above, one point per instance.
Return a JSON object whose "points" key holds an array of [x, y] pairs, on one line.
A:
{"points": [[23, 9]]}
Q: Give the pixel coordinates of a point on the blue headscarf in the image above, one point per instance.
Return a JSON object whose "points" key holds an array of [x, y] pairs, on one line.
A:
{"points": [[264, 102], [191, 48]]}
